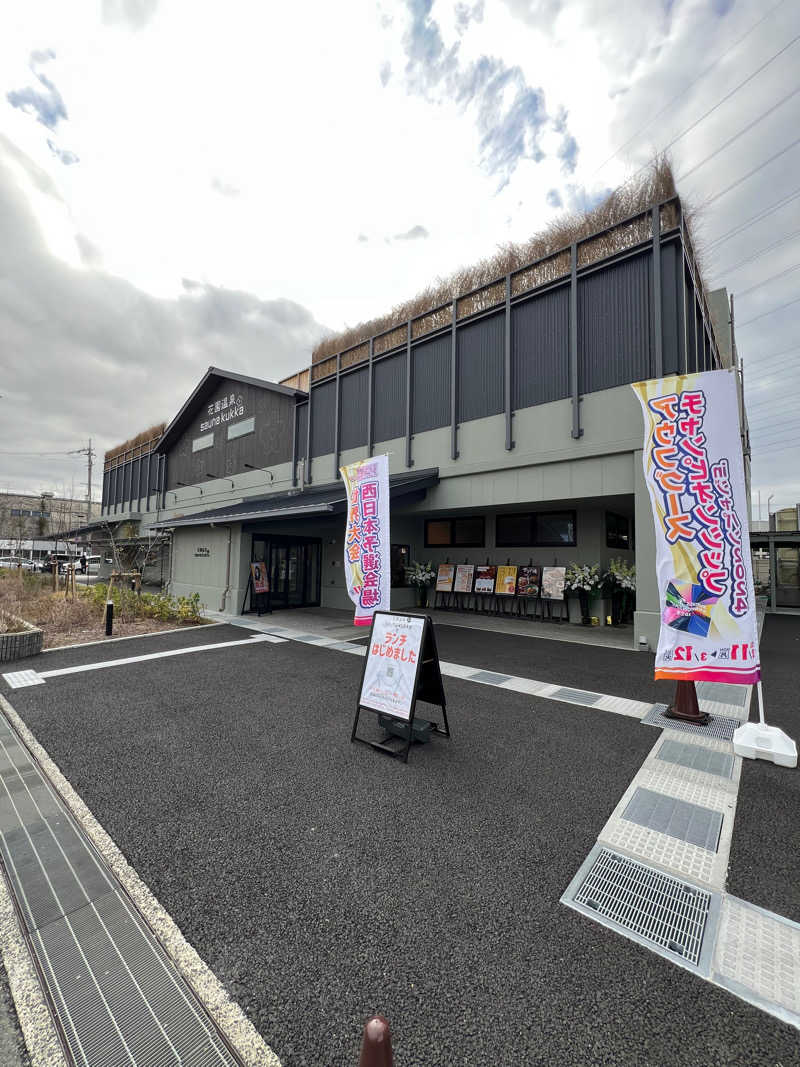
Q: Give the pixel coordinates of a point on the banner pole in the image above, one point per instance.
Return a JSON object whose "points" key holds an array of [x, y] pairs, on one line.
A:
{"points": [[761, 718]]}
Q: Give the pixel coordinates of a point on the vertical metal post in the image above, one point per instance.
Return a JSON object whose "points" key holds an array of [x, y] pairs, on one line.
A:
{"points": [[409, 460], [369, 396], [139, 484], [114, 470], [307, 466], [149, 479], [336, 416], [453, 384], [507, 366], [573, 343], [685, 314], [657, 328], [295, 420], [163, 466]]}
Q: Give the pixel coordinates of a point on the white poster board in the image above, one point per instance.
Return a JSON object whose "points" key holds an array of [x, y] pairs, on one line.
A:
{"points": [[390, 670]]}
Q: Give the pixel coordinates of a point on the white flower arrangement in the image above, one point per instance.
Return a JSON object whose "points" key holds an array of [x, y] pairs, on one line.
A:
{"points": [[583, 578], [420, 574], [621, 575]]}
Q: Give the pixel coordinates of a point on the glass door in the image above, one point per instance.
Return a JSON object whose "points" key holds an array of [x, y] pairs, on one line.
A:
{"points": [[277, 574], [294, 568]]}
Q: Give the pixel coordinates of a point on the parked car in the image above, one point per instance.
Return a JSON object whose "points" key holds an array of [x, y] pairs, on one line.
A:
{"points": [[63, 559], [17, 561]]}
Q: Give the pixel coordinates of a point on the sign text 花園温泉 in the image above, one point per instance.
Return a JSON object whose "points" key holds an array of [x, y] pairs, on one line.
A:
{"points": [[695, 475], [221, 411]]}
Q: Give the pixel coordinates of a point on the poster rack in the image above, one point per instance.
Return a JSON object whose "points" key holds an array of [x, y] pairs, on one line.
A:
{"points": [[427, 686]]}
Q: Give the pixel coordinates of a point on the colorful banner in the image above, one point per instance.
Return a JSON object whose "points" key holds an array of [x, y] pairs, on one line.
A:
{"points": [[366, 539], [693, 468]]}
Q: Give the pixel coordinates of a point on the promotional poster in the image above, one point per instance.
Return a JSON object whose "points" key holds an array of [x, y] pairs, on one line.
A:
{"points": [[484, 579], [464, 573], [444, 578], [506, 581], [695, 475], [553, 579]]}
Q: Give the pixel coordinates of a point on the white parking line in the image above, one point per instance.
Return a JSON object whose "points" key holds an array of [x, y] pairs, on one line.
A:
{"points": [[21, 679]]}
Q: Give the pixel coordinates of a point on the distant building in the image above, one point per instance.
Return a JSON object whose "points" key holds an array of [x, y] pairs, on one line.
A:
{"points": [[42, 516]]}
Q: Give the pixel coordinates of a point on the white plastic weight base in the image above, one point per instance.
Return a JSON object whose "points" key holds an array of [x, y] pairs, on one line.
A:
{"points": [[756, 740]]}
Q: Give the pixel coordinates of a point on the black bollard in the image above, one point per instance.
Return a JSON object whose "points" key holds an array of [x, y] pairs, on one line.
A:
{"points": [[109, 618]]}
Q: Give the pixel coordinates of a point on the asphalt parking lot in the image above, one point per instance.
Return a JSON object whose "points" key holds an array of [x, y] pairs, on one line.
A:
{"points": [[323, 882]]}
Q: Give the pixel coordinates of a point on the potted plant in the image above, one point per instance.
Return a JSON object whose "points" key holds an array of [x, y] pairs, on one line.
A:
{"points": [[584, 579], [420, 575], [620, 580]]}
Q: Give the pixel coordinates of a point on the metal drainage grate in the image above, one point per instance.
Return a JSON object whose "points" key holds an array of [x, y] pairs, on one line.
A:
{"points": [[696, 758], [676, 818], [716, 727], [576, 696], [659, 911], [488, 677], [723, 693]]}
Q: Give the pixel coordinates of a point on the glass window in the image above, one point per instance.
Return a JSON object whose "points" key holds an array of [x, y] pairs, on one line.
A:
{"points": [[437, 532], [469, 532], [513, 531], [618, 530], [555, 528], [242, 427], [463, 532], [206, 441]]}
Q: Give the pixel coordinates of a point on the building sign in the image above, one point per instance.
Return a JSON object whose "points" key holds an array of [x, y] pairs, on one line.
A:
{"points": [[528, 581], [258, 573], [390, 671], [553, 579], [202, 552], [219, 412], [463, 582], [694, 471], [506, 581], [444, 578], [367, 558]]}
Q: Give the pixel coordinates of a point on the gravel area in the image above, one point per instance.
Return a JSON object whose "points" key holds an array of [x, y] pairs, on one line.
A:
{"points": [[323, 882]]}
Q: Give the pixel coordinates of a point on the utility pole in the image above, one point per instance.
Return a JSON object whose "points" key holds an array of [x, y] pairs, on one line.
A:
{"points": [[90, 454]]}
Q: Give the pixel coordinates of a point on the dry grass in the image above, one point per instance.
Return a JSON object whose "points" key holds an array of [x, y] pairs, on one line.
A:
{"points": [[67, 622], [142, 438], [544, 249]]}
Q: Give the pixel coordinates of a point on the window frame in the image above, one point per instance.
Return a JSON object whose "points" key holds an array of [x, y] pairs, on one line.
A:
{"points": [[451, 520], [536, 541], [615, 515]]}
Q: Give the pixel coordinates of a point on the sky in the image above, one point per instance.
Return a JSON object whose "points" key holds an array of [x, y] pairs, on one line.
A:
{"points": [[185, 185]]}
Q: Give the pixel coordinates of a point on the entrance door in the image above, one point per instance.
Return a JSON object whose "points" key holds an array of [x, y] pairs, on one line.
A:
{"points": [[294, 569]]}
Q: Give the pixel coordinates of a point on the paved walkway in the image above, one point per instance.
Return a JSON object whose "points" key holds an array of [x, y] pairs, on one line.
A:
{"points": [[240, 766]]}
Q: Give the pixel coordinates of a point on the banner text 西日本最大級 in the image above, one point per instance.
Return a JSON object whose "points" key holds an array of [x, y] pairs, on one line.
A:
{"points": [[366, 543], [694, 472]]}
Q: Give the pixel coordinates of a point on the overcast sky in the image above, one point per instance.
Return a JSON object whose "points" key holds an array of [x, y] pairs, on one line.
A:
{"points": [[185, 184]]}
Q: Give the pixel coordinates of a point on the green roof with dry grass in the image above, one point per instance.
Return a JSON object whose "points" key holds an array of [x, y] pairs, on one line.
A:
{"points": [[547, 252], [137, 444]]}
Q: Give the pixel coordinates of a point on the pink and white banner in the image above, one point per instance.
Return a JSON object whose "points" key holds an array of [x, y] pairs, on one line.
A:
{"points": [[366, 542], [694, 471]]}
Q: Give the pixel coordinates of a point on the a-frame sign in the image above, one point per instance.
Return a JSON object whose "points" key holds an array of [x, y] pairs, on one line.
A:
{"points": [[401, 667]]}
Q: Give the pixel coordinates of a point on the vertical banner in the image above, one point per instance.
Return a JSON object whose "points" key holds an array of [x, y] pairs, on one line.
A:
{"points": [[366, 540], [695, 474]]}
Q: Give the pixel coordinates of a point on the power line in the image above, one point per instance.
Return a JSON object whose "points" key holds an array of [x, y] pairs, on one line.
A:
{"points": [[741, 133], [772, 405], [766, 281], [750, 173], [775, 435], [683, 92], [741, 325], [3, 453], [757, 255], [774, 355], [753, 219], [725, 98]]}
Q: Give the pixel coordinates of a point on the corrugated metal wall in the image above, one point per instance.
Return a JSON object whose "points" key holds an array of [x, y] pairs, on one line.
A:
{"points": [[615, 330], [389, 397], [479, 348], [540, 349], [671, 310], [323, 420], [302, 430], [691, 326], [353, 409], [430, 369]]}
